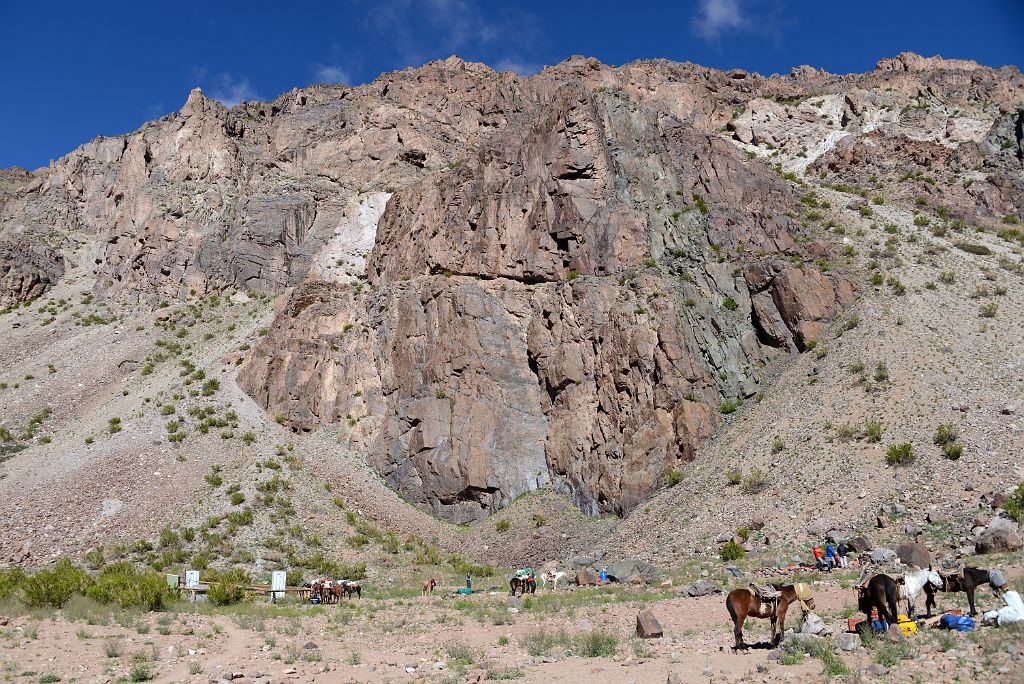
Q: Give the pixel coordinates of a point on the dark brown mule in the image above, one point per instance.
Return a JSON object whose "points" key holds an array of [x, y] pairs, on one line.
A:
{"points": [[744, 603], [881, 593], [352, 588], [521, 585], [428, 586], [967, 580]]}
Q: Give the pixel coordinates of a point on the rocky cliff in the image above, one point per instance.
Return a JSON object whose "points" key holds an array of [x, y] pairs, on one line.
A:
{"points": [[491, 284]]}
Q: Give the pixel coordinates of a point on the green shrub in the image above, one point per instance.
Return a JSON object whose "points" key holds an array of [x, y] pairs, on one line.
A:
{"points": [[731, 551], [123, 584], [730, 304], [946, 433], [237, 499], [10, 580], [755, 482], [55, 587], [538, 520], [674, 477], [953, 451], [728, 406], [228, 587], [972, 248], [1014, 504], [595, 644], [881, 372], [900, 454], [733, 476], [357, 541], [778, 445], [873, 431], [502, 526]]}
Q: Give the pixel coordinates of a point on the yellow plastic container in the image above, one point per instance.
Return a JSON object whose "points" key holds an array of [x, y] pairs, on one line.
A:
{"points": [[907, 625]]}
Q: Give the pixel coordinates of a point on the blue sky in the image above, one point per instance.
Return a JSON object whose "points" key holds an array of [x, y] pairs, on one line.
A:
{"points": [[73, 70]]}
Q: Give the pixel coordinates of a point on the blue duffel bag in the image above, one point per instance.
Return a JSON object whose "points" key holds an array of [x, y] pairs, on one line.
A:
{"points": [[959, 623]]}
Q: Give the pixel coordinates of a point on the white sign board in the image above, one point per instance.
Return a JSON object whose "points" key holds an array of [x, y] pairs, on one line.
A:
{"points": [[277, 584], [192, 579]]}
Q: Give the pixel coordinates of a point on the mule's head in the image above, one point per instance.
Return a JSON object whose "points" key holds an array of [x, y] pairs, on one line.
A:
{"points": [[933, 578]]}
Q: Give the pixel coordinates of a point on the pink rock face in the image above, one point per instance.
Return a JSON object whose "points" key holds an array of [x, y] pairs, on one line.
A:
{"points": [[569, 274], [529, 328]]}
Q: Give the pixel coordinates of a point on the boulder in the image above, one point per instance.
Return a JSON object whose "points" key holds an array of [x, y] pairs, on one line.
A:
{"points": [[647, 626], [818, 527], [620, 571], [913, 531], [847, 641], [881, 522], [859, 544], [701, 587], [997, 539], [915, 554], [586, 577], [514, 602], [882, 555]]}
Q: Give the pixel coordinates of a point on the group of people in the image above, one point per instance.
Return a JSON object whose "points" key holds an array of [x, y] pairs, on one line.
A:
{"points": [[831, 556]]}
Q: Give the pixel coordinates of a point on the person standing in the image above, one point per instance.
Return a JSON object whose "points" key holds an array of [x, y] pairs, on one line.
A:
{"points": [[818, 554], [831, 557], [844, 550], [469, 583]]}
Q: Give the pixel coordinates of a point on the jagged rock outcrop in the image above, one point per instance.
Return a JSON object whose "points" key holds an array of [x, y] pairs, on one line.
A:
{"points": [[493, 283], [551, 311]]}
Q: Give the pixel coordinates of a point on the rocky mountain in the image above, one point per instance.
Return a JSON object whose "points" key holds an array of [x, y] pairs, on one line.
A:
{"points": [[487, 284]]}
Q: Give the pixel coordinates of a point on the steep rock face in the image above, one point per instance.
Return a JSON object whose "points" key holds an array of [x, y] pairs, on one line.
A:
{"points": [[551, 311], [207, 197], [27, 271], [491, 283]]}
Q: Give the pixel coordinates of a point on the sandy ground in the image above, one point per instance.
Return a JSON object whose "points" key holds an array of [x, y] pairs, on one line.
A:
{"points": [[441, 638]]}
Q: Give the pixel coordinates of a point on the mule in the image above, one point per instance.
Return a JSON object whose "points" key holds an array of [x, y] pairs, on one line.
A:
{"points": [[914, 583], [552, 577], [350, 587], [521, 585], [745, 603], [880, 593], [967, 580], [428, 586]]}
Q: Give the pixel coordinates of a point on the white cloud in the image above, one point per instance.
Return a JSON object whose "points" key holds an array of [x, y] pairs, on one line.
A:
{"points": [[516, 66], [715, 17], [230, 92], [504, 36], [326, 73]]}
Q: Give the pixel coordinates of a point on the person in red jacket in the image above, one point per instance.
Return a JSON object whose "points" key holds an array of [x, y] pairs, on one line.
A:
{"points": [[818, 556]]}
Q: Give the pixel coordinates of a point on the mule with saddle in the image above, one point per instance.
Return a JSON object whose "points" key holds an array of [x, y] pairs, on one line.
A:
{"points": [[882, 592], [770, 602]]}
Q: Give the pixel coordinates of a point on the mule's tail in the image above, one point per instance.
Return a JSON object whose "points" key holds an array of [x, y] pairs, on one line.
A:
{"points": [[730, 608]]}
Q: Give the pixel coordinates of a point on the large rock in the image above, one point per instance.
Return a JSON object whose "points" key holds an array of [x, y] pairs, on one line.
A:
{"points": [[586, 577], [859, 544], [701, 587], [883, 555], [647, 626], [915, 554], [620, 571], [1001, 535]]}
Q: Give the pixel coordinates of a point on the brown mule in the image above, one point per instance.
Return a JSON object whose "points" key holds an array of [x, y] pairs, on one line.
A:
{"points": [[428, 586], [745, 603]]}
